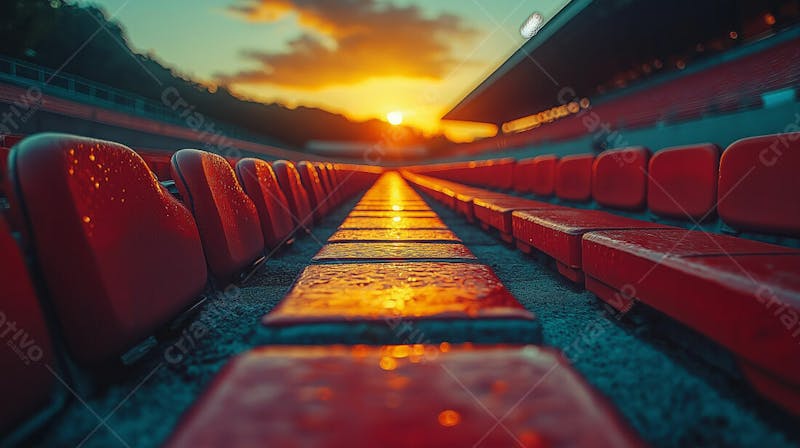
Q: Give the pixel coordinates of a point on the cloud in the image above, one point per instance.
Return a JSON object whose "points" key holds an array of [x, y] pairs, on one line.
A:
{"points": [[349, 41]]}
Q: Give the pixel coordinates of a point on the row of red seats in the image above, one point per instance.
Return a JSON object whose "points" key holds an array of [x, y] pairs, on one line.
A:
{"points": [[679, 183], [729, 86], [115, 257], [161, 161], [497, 173], [742, 294]]}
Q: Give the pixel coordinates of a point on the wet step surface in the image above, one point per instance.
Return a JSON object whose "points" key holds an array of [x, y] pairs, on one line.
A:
{"points": [[402, 396], [384, 303], [381, 292]]}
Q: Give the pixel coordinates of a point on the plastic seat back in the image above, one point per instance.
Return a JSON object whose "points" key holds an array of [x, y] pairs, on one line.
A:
{"points": [[259, 182], [683, 182], [759, 185], [522, 175], [28, 386], [619, 178], [543, 175], [226, 217], [120, 256], [296, 195], [313, 186], [574, 178]]}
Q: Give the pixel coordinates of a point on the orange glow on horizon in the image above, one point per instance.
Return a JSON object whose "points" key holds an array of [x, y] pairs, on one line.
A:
{"points": [[417, 100]]}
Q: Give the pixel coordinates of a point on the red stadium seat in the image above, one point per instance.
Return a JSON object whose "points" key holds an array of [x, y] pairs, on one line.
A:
{"points": [[683, 182], [296, 195], [464, 202], [739, 293], [259, 182], [336, 183], [323, 180], [495, 211], [334, 177], [558, 233], [458, 197], [619, 178], [523, 174], [348, 180], [499, 174], [119, 255], [226, 217], [310, 396], [643, 250], [25, 354], [574, 178], [313, 186], [327, 186], [759, 184], [338, 194], [543, 175]]}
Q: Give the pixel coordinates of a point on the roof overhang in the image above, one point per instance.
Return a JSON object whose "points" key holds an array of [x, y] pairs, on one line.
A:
{"points": [[589, 42]]}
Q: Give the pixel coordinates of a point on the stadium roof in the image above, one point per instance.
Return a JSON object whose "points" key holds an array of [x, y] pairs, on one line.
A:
{"points": [[589, 42]]}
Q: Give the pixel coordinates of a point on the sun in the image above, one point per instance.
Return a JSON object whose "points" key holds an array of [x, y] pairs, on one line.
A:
{"points": [[394, 117]]}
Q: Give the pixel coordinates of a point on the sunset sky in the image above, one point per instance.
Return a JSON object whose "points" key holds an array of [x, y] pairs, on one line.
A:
{"points": [[360, 58]]}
